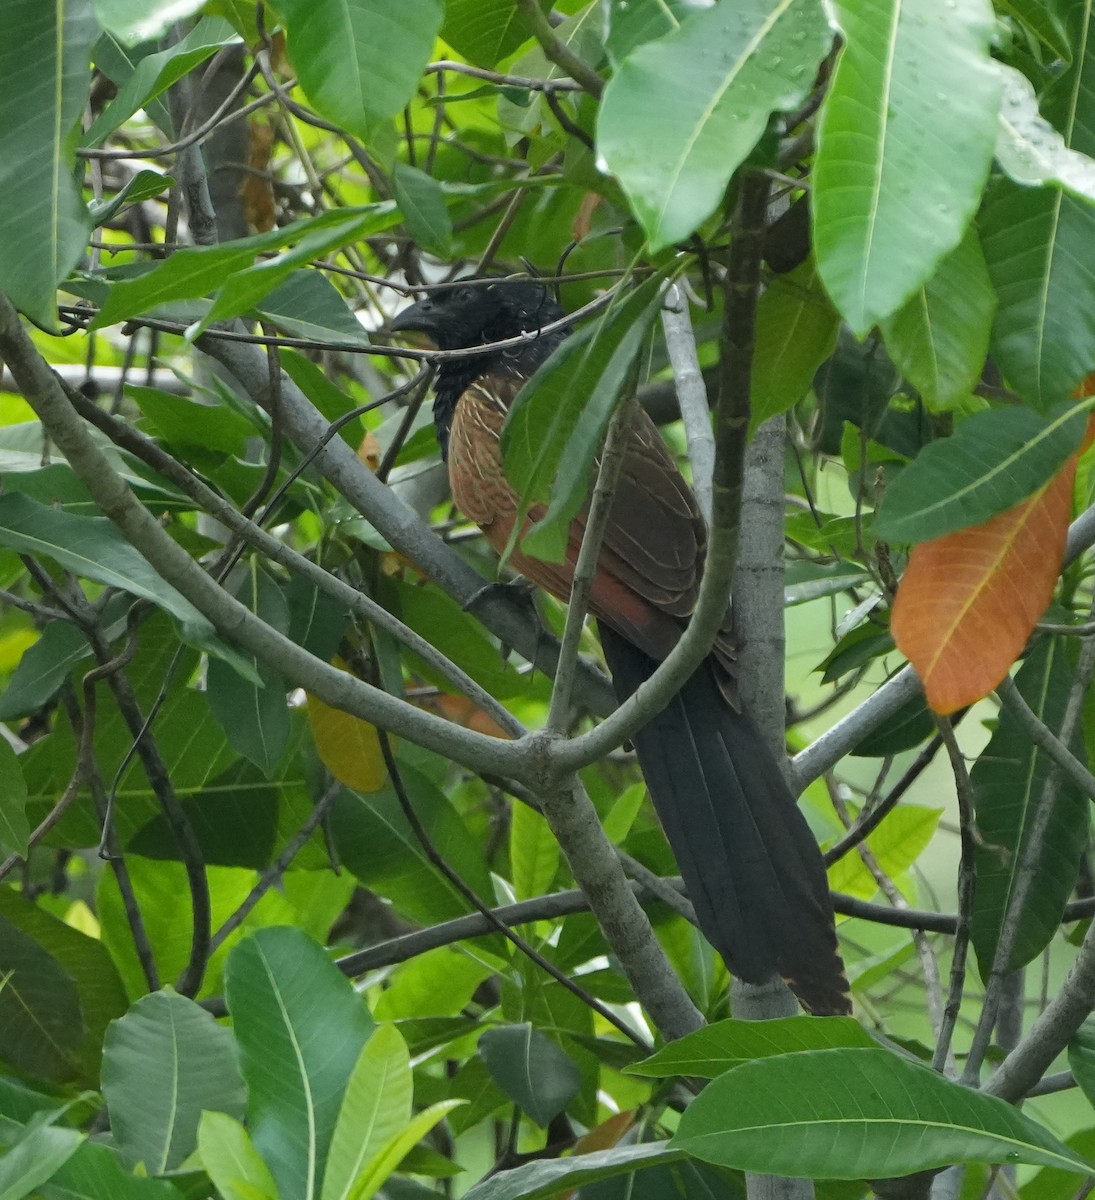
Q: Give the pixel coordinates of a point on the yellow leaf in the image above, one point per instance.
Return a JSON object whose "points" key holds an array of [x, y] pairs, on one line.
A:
{"points": [[347, 746]]}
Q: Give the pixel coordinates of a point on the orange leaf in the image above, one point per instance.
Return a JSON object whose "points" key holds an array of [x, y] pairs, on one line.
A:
{"points": [[369, 451], [347, 746], [969, 601], [602, 1137]]}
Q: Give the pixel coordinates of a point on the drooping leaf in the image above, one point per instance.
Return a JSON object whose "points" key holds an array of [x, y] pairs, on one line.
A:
{"points": [[231, 1160], [308, 305], [95, 1172], [531, 1069], [348, 746], [555, 427], [547, 1178], [14, 827], [38, 1153], [44, 82], [1009, 788], [995, 459], [300, 1027], [854, 1114], [682, 112], [422, 203], [376, 1106], [165, 1062], [939, 338], [533, 853], [797, 329], [155, 73], [377, 1170], [969, 601], [360, 60], [725, 1044], [1036, 244], [905, 141]]}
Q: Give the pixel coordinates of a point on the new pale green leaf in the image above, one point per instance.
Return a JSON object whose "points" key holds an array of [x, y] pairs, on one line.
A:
{"points": [[231, 1160]]}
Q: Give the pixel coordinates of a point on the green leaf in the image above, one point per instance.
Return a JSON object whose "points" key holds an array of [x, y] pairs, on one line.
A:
{"points": [[939, 337], [254, 716], [91, 548], [546, 1179], [360, 60], [531, 1069], [995, 459], [1009, 781], [300, 1027], [854, 1114], [1043, 20], [41, 1150], [155, 73], [231, 1160], [377, 1105], [184, 422], [308, 305], [797, 329], [164, 1062], [143, 186], [245, 289], [14, 828], [555, 427], [905, 141], [724, 1044], [95, 1172], [44, 83], [41, 1026], [135, 21], [633, 22], [484, 31], [1028, 147], [896, 844], [422, 203], [199, 270], [86, 962], [533, 853], [683, 112], [376, 843], [383, 1164]]}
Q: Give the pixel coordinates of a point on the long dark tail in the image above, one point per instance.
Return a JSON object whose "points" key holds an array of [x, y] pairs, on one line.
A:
{"points": [[751, 865]]}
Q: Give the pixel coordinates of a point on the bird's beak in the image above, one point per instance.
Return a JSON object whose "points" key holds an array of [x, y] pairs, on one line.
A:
{"points": [[419, 318]]}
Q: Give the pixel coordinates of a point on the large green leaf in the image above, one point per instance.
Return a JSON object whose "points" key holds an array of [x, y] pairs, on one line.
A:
{"points": [[422, 203], [377, 1105], [165, 1062], [136, 21], [1037, 244], [531, 1069], [91, 548], [854, 1114], [905, 142], [86, 962], [939, 337], [555, 427], [300, 1027], [681, 113], [41, 1027], [724, 1044], [44, 79], [542, 1180], [360, 60], [375, 841], [1009, 782], [633, 22], [995, 459], [95, 1172]]}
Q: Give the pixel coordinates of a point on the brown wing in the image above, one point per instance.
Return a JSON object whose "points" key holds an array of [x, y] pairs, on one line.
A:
{"points": [[652, 555]]}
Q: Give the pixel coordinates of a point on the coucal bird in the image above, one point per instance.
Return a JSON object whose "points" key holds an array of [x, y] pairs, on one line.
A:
{"points": [[751, 865]]}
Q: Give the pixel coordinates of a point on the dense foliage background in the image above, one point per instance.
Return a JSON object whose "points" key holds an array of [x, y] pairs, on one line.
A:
{"points": [[294, 904]]}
